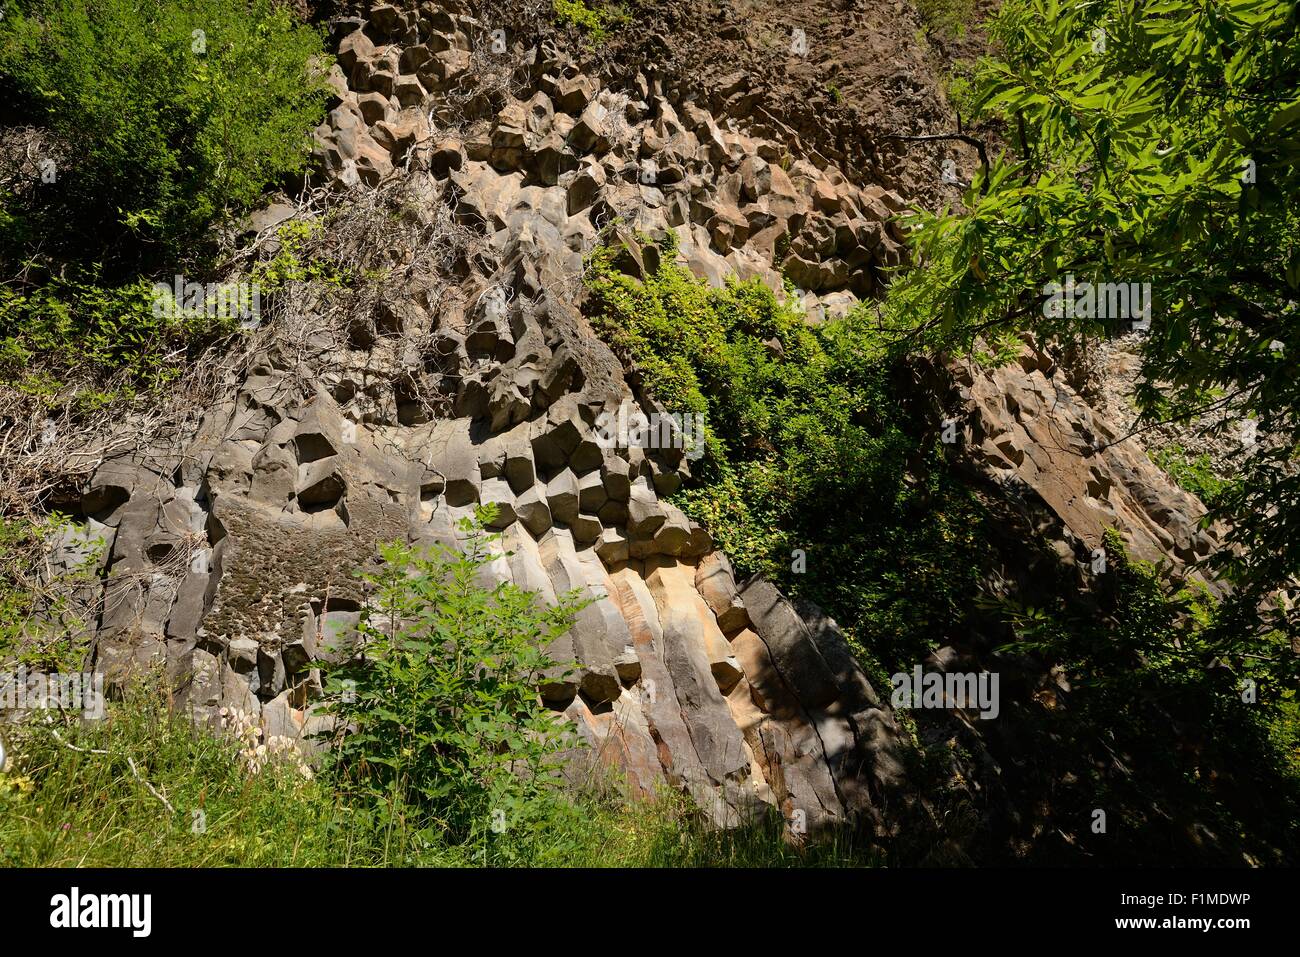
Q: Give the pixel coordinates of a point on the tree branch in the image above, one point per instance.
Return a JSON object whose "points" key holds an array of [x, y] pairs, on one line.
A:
{"points": [[966, 138]]}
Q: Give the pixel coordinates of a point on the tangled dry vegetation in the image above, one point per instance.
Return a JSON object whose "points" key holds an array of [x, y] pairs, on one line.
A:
{"points": [[328, 315]]}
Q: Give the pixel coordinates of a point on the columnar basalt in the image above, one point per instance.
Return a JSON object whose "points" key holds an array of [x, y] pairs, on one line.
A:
{"points": [[685, 677]]}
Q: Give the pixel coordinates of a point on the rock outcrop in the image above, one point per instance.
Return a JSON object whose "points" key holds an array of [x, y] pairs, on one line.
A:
{"points": [[569, 157], [474, 378], [230, 555], [1025, 429]]}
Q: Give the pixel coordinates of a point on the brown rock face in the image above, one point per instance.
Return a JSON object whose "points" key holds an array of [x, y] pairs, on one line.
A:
{"points": [[1026, 428], [320, 450]]}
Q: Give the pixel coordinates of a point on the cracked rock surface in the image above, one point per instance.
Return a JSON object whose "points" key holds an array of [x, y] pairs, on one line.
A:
{"points": [[230, 552], [316, 455]]}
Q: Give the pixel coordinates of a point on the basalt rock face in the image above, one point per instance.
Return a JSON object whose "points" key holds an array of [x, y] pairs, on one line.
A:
{"points": [[231, 551], [1026, 431], [230, 554], [569, 156]]}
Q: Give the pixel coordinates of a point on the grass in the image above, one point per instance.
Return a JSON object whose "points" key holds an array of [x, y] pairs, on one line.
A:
{"points": [[61, 807]]}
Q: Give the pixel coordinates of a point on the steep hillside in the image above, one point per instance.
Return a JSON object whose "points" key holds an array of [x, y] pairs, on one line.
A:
{"points": [[439, 329]]}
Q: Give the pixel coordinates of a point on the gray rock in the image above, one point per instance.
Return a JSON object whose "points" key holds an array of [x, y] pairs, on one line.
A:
{"points": [[562, 496]]}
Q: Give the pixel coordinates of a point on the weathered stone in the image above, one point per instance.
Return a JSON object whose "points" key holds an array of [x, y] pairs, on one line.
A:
{"points": [[586, 529], [715, 581], [684, 620], [562, 496], [374, 107], [645, 513], [612, 546], [588, 133], [584, 187], [573, 94], [408, 91], [599, 634], [615, 474], [497, 491], [591, 492], [321, 483], [518, 467], [448, 156], [533, 511]]}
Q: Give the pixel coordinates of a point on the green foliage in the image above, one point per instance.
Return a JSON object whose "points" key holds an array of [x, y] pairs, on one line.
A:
{"points": [[593, 21], [1154, 142], [1154, 724], [161, 117], [291, 263], [60, 807], [947, 18], [41, 624], [1195, 475], [81, 329], [798, 440], [443, 717], [668, 832], [445, 703], [1003, 349], [175, 113], [810, 446], [66, 808]]}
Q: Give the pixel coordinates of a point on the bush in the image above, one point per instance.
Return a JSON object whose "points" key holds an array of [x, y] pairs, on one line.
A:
{"points": [[443, 720], [1193, 474], [42, 623], [174, 113], [592, 21], [434, 728], [947, 18], [800, 422], [1207, 771], [79, 329], [1207, 223]]}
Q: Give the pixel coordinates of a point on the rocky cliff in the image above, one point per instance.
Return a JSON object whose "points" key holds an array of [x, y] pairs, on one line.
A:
{"points": [[479, 162]]}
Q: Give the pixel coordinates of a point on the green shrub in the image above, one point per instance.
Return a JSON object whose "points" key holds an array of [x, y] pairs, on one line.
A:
{"points": [[808, 447], [41, 624], [592, 21], [947, 18], [1146, 146], [1154, 725], [438, 718], [84, 330], [293, 262], [1192, 474], [174, 113], [444, 721]]}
